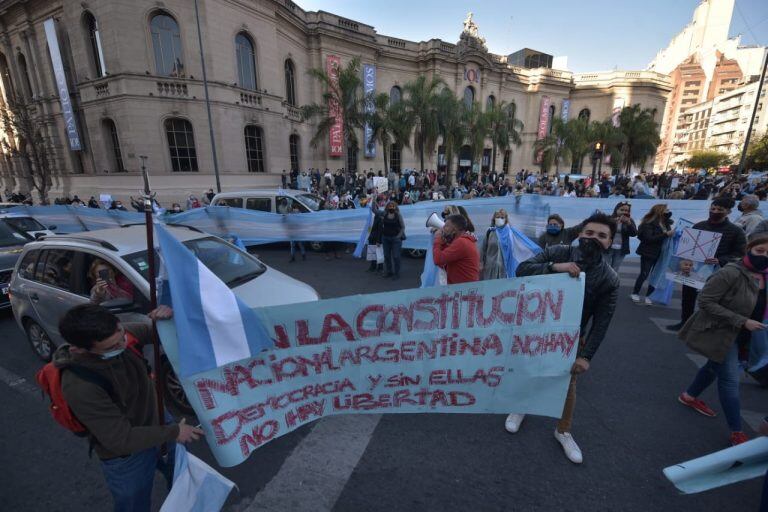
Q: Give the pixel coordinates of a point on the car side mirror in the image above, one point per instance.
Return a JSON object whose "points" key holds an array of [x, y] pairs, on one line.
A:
{"points": [[52, 227]]}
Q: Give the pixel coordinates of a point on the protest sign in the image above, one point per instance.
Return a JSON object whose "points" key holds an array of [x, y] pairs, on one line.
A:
{"points": [[381, 184], [688, 272], [697, 245], [497, 346]]}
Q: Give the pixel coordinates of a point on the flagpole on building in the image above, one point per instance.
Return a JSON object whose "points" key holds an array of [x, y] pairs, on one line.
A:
{"points": [[207, 101], [752, 118], [148, 197]]}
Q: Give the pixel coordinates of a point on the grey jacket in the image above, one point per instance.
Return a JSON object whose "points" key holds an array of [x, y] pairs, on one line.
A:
{"points": [[600, 291]]}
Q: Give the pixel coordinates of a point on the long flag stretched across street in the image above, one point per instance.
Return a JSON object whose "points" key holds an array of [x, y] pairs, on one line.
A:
{"points": [[214, 326]]}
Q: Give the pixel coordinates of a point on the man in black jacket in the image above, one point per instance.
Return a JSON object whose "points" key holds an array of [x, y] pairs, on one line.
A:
{"points": [[732, 247], [600, 293]]}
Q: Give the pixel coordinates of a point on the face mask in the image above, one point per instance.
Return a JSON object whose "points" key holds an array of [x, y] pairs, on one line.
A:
{"points": [[668, 215], [553, 230], [591, 250], [758, 261], [112, 353], [716, 216], [443, 215], [499, 222]]}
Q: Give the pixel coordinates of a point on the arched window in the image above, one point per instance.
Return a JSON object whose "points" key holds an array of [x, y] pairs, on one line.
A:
{"points": [[94, 45], [505, 165], [490, 103], [181, 144], [395, 95], [469, 97], [351, 158], [7, 82], [113, 144], [24, 71], [254, 148], [166, 43], [585, 114], [551, 119], [290, 82], [293, 146], [395, 157], [246, 61]]}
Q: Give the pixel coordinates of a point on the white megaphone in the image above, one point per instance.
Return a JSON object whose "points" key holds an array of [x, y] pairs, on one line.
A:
{"points": [[434, 221]]}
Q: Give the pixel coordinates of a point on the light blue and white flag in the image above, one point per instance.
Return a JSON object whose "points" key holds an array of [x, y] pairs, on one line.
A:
{"points": [[516, 248], [215, 327], [197, 487]]}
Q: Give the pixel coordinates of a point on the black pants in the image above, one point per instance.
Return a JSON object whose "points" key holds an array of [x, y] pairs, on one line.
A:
{"points": [[689, 302], [646, 266]]}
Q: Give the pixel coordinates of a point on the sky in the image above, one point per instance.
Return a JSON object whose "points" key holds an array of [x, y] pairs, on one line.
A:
{"points": [[595, 35]]}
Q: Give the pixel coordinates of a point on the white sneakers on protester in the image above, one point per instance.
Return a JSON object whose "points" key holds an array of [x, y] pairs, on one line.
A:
{"points": [[571, 449], [635, 298], [513, 422], [648, 302]]}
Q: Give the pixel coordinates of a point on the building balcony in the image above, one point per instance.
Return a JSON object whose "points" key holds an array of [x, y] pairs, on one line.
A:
{"points": [[292, 113]]}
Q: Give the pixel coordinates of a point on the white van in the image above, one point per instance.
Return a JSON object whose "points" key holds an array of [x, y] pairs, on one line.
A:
{"points": [[269, 200]]}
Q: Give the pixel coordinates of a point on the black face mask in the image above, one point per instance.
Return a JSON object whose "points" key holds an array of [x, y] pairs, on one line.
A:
{"points": [[716, 217], [759, 262], [591, 250], [668, 215]]}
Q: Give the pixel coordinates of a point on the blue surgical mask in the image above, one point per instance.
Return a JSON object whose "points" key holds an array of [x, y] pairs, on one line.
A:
{"points": [[112, 353], [553, 230]]}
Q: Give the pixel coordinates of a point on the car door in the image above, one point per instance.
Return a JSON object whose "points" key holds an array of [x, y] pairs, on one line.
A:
{"points": [[263, 204]]}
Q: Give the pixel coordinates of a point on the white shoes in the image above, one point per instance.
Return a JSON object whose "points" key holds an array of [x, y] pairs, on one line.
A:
{"points": [[648, 302], [513, 422], [635, 298], [571, 449]]}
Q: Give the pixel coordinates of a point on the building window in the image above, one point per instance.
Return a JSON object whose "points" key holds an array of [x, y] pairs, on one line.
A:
{"points": [[246, 61], [254, 148], [166, 43], [94, 45], [293, 144], [395, 95], [505, 165], [485, 164], [551, 119], [351, 159], [585, 114], [24, 71], [5, 78], [290, 83], [469, 97], [441, 163], [490, 103], [113, 144], [395, 155], [181, 145]]}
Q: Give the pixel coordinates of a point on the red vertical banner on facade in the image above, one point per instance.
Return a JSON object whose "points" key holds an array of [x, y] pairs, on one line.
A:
{"points": [[543, 125], [336, 133]]}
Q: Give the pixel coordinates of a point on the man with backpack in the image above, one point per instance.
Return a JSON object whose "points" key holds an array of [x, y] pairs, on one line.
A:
{"points": [[111, 394]]}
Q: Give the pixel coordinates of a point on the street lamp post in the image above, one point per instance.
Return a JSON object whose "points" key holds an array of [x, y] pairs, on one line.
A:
{"points": [[752, 118], [207, 100], [597, 159]]}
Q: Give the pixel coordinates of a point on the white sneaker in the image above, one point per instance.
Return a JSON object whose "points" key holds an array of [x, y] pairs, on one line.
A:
{"points": [[648, 302], [570, 447], [513, 422], [635, 298]]}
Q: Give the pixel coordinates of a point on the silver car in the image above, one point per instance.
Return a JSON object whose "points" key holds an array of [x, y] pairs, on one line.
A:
{"points": [[57, 272]]}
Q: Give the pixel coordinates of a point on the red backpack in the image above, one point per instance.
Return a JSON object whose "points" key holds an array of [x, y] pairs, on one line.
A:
{"points": [[49, 379]]}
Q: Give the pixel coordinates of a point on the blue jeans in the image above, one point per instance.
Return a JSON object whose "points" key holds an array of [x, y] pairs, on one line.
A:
{"points": [[615, 257], [392, 247], [727, 375], [130, 478], [293, 248]]}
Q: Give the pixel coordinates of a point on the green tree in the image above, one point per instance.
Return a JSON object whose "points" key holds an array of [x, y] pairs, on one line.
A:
{"points": [[451, 127], [422, 105], [390, 124], [707, 159], [347, 93], [476, 123], [757, 154], [557, 146], [503, 127], [611, 138], [641, 135]]}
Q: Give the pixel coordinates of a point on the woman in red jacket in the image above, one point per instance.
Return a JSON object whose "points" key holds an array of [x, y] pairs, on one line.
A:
{"points": [[455, 249]]}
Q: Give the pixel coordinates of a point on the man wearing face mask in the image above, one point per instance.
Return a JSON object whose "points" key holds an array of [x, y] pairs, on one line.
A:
{"points": [[110, 392], [455, 249], [600, 294], [556, 233], [731, 248]]}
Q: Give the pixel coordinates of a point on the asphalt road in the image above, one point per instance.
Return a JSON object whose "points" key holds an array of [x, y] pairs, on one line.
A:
{"points": [[627, 423]]}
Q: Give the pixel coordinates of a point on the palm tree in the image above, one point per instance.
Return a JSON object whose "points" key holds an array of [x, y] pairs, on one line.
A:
{"points": [[476, 124], [450, 127], [503, 127], [390, 124], [641, 135], [422, 106], [346, 92], [555, 146]]}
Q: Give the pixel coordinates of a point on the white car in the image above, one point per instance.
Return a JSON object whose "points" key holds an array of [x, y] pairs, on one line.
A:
{"points": [[26, 224]]}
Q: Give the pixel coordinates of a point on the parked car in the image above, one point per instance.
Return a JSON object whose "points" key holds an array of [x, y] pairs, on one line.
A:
{"points": [[273, 201], [26, 224], [56, 273], [12, 243]]}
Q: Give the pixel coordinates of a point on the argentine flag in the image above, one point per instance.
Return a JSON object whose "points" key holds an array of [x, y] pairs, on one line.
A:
{"points": [[213, 326], [197, 487], [516, 247]]}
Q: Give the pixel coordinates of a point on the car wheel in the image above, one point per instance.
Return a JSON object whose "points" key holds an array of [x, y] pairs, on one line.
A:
{"points": [[174, 392], [39, 340], [317, 246], [415, 253]]}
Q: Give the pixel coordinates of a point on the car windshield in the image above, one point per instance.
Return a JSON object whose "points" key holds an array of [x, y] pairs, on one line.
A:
{"points": [[229, 264], [10, 236], [26, 224], [310, 200]]}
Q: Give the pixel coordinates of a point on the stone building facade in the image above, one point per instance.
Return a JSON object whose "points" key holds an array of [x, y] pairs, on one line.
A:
{"points": [[134, 74]]}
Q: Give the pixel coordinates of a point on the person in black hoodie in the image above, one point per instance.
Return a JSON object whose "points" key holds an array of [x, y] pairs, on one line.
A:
{"points": [[731, 248], [654, 228]]}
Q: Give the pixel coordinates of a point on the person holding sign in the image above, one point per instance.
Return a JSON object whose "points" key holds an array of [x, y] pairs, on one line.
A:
{"points": [[655, 227], [600, 295], [732, 300], [455, 248], [731, 248]]}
